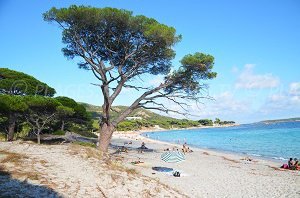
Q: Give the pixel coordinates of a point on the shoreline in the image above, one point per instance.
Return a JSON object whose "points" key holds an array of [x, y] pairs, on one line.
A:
{"points": [[209, 173], [137, 135], [220, 151]]}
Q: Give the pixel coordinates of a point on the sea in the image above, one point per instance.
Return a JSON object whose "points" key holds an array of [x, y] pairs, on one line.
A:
{"points": [[277, 141]]}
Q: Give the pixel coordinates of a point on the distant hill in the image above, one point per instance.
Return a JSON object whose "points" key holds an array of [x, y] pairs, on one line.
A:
{"points": [[143, 113], [282, 120], [148, 119]]}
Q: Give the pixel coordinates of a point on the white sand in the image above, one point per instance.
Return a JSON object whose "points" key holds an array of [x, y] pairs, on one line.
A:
{"points": [[74, 171], [215, 174], [70, 171]]}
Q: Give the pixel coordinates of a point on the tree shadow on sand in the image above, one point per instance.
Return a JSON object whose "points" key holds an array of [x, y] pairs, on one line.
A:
{"points": [[12, 188]]}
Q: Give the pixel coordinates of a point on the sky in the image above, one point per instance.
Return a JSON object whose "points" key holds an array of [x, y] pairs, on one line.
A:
{"points": [[256, 45]]}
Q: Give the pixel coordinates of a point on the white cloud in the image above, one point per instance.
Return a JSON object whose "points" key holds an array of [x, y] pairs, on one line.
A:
{"points": [[224, 106], [249, 80], [295, 89], [287, 101]]}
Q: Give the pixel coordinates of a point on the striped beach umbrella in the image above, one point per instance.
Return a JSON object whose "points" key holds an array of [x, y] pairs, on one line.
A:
{"points": [[172, 156]]}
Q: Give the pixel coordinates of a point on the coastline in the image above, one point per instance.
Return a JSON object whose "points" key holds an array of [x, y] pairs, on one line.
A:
{"points": [[210, 173], [138, 134]]}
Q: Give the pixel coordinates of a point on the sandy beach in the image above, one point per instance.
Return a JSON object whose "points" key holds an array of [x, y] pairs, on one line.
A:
{"points": [[71, 170], [206, 173]]}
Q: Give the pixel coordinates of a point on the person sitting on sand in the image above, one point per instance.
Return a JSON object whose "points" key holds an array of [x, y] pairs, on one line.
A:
{"points": [[143, 147], [184, 148], [295, 165], [290, 163]]}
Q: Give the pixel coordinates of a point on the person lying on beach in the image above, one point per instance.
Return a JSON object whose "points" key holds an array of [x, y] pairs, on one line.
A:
{"points": [[189, 150], [136, 162], [293, 164]]}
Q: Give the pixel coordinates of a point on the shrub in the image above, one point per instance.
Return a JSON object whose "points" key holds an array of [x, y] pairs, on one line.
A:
{"points": [[59, 132]]}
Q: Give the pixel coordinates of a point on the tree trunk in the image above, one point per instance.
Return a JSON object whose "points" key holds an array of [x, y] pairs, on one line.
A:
{"points": [[38, 136], [62, 125], [11, 127], [105, 137]]}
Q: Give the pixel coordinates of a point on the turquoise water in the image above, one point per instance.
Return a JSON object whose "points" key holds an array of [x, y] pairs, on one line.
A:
{"points": [[278, 141]]}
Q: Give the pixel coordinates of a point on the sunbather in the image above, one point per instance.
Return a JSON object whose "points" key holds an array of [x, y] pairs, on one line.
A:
{"points": [[143, 147], [295, 165], [290, 163]]}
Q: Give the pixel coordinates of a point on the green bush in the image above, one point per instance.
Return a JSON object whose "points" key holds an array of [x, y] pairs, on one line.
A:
{"points": [[59, 132]]}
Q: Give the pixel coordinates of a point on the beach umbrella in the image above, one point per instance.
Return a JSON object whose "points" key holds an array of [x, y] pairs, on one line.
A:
{"points": [[173, 156]]}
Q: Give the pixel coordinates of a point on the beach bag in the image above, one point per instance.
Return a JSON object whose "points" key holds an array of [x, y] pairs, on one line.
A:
{"points": [[176, 174]]}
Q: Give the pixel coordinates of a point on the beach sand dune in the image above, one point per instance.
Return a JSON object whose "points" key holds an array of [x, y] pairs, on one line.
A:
{"points": [[30, 170]]}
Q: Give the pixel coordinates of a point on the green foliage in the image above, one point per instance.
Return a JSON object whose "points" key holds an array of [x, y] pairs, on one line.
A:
{"points": [[64, 111], [41, 105], [67, 102], [167, 123], [18, 83], [206, 122], [195, 67], [83, 132], [226, 122], [73, 113], [12, 104], [110, 29], [58, 132], [217, 121]]}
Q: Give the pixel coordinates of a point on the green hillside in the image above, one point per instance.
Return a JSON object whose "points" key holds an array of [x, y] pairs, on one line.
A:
{"points": [[149, 119], [143, 113]]}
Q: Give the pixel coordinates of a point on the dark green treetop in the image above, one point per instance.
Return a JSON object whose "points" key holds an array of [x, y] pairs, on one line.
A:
{"points": [[18, 83]]}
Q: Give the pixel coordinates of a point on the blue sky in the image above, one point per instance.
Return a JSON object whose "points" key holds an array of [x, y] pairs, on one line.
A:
{"points": [[256, 45]]}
